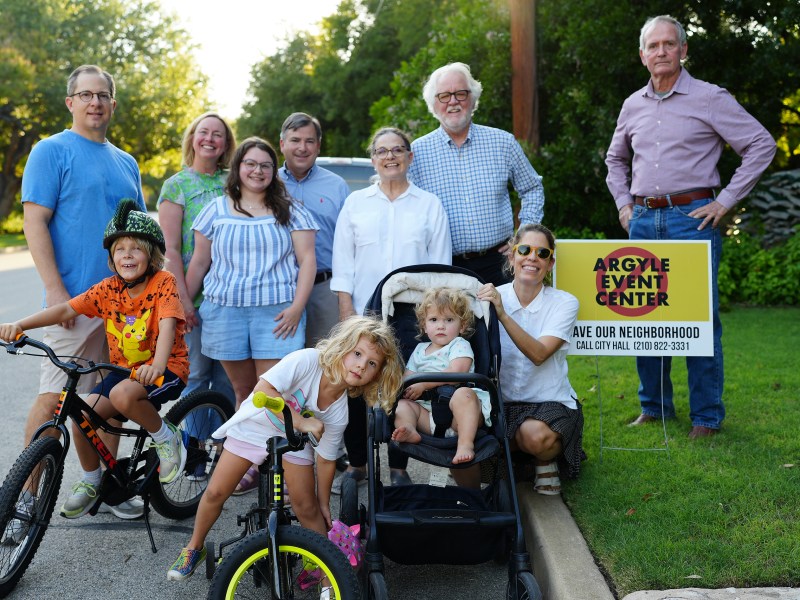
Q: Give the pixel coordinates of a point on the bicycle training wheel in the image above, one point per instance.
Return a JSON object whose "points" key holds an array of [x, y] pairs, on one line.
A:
{"points": [[27, 498], [197, 416], [305, 557]]}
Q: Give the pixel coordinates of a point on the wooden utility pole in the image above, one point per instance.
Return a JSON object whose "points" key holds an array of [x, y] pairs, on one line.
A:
{"points": [[524, 97]]}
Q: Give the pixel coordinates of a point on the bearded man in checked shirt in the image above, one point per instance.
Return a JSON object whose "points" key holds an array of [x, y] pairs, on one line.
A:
{"points": [[468, 167]]}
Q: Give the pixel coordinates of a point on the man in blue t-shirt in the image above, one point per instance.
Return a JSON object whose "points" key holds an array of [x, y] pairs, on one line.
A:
{"points": [[71, 186], [323, 193]]}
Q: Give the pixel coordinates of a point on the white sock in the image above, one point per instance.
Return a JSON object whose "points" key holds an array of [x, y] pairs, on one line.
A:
{"points": [[93, 477], [162, 435]]}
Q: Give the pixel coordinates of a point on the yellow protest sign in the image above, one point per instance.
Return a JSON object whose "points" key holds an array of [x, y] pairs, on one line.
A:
{"points": [[638, 297]]}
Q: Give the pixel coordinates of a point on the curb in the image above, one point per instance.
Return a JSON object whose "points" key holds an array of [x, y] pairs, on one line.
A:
{"points": [[562, 563], [565, 568]]}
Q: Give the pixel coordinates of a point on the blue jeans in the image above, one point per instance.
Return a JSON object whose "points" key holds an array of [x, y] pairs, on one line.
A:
{"points": [[205, 373], [705, 373]]}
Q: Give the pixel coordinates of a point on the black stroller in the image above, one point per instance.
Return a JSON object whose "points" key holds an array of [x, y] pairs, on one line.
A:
{"points": [[424, 524]]}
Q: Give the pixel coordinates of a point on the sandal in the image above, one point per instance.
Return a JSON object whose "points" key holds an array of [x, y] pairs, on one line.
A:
{"points": [[546, 480], [248, 483]]}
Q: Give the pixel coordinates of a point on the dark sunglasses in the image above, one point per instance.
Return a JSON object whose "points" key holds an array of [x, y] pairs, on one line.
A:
{"points": [[525, 249]]}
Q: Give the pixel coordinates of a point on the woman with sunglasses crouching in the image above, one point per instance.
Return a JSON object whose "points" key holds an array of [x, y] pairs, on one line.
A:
{"points": [[543, 416]]}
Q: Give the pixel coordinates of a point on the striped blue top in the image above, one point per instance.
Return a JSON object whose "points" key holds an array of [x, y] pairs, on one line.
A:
{"points": [[252, 258], [472, 183]]}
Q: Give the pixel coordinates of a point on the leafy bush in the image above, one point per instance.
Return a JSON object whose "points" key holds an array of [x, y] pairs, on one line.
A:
{"points": [[752, 274], [13, 223]]}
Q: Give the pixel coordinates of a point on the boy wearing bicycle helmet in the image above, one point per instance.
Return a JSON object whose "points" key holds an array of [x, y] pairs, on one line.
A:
{"points": [[144, 326]]}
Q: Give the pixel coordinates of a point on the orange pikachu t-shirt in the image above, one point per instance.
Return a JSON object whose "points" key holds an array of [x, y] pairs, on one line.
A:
{"points": [[132, 323]]}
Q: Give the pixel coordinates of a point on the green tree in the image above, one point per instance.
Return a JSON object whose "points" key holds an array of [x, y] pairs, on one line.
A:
{"points": [[475, 32], [588, 63], [339, 73], [159, 87]]}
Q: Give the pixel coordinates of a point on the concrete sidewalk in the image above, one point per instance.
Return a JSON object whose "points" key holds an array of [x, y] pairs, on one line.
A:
{"points": [[565, 568]]}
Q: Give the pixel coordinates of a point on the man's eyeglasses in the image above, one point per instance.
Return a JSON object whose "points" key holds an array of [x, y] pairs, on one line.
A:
{"points": [[86, 96], [383, 152], [525, 249], [460, 95], [252, 165]]}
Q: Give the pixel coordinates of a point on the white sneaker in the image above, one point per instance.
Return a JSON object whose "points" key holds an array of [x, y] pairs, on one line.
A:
{"points": [[80, 501], [172, 455], [130, 509]]}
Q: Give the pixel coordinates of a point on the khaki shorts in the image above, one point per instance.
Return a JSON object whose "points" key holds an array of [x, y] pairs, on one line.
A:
{"points": [[87, 339]]}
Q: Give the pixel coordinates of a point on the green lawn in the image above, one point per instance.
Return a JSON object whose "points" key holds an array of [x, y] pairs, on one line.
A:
{"points": [[713, 513], [12, 239]]}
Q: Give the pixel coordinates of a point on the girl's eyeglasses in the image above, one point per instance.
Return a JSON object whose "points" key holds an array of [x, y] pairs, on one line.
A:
{"points": [[525, 249]]}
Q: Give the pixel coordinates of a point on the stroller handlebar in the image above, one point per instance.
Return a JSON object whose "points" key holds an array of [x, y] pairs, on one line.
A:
{"points": [[479, 380]]}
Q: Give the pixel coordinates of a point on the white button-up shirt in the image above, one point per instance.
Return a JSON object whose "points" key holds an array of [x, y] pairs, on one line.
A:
{"points": [[552, 313], [375, 235]]}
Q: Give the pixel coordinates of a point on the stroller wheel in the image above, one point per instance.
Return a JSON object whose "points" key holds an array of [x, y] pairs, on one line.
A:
{"points": [[377, 587], [523, 587], [348, 504]]}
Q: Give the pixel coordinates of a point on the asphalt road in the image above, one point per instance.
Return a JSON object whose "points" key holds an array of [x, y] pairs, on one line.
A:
{"points": [[103, 557]]}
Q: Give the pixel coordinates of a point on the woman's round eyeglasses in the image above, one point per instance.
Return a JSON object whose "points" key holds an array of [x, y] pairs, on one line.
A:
{"points": [[384, 152], [252, 165]]}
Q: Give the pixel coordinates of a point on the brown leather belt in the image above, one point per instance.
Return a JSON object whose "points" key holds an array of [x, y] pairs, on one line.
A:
{"points": [[470, 255], [674, 199], [322, 276]]}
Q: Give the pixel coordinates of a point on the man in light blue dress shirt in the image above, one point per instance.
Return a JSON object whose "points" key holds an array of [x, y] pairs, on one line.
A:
{"points": [[323, 194], [469, 167]]}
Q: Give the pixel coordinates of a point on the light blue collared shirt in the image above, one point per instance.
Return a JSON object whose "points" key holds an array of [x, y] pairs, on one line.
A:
{"points": [[323, 194]]}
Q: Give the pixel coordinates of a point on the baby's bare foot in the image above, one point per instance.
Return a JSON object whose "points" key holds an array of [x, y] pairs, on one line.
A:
{"points": [[405, 434], [464, 453]]}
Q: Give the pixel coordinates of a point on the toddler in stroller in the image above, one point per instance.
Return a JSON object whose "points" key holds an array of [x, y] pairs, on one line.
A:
{"points": [[426, 524], [445, 316]]}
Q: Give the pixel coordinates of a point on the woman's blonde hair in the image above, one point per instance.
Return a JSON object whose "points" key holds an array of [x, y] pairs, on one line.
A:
{"points": [[508, 266], [450, 299], [343, 339], [187, 142]]}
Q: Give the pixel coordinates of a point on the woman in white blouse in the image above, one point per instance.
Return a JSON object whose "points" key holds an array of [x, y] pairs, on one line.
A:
{"points": [[389, 225]]}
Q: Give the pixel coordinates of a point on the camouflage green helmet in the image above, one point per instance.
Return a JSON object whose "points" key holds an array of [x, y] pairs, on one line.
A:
{"points": [[130, 221]]}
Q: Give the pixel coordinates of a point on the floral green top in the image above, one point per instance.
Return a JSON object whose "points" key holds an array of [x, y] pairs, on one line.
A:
{"points": [[192, 191]]}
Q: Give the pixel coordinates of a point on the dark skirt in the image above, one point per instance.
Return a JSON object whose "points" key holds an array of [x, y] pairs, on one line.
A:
{"points": [[566, 421]]}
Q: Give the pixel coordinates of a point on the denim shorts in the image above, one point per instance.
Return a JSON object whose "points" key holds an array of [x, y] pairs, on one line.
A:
{"points": [[242, 332]]}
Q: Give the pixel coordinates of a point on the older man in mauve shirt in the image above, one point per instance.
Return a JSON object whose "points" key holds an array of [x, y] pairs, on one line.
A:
{"points": [[662, 173]]}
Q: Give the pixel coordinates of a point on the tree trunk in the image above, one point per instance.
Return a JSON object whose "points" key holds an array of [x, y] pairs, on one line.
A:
{"points": [[20, 143]]}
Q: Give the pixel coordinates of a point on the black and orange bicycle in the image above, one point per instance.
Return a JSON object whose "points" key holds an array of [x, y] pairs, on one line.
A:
{"points": [[30, 490]]}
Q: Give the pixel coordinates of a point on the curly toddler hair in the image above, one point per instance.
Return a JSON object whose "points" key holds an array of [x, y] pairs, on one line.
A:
{"points": [[450, 299]]}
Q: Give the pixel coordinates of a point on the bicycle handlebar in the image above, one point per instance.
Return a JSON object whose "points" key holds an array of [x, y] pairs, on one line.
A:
{"points": [[276, 405], [23, 340]]}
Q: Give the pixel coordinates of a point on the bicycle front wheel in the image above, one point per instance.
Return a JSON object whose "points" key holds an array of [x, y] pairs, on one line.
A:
{"points": [[27, 499], [308, 560], [197, 416]]}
